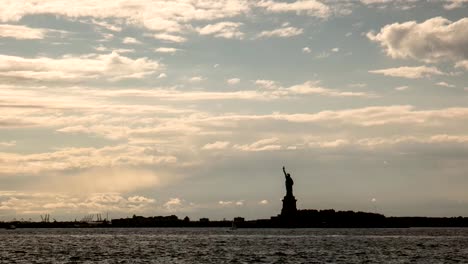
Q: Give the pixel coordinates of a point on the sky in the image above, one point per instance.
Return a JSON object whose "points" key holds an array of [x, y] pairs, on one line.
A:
{"points": [[192, 107]]}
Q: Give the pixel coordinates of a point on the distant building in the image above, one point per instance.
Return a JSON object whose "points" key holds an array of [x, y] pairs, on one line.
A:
{"points": [[239, 219], [204, 220]]}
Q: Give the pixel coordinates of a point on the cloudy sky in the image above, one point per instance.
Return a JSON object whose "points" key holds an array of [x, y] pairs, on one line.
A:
{"points": [[191, 107]]}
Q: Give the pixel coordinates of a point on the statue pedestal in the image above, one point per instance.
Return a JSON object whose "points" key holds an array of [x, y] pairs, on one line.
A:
{"points": [[289, 207]]}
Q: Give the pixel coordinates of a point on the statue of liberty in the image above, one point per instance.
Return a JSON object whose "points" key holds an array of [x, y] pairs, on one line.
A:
{"points": [[289, 183]]}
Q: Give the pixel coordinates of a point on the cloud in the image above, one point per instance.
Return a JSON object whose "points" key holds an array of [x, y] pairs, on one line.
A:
{"points": [[462, 64], [225, 203], [129, 40], [197, 79], [263, 202], [358, 85], [362, 117], [216, 145], [169, 37], [284, 32], [158, 15], [81, 158], [228, 30], [445, 84], [399, 4], [166, 50], [266, 84], [68, 68], [409, 72], [270, 93], [106, 25], [268, 144], [330, 143], [233, 81], [308, 7], [306, 50], [173, 204], [8, 143], [102, 48], [402, 88], [452, 4], [311, 87], [335, 49], [231, 203], [22, 32], [436, 39], [140, 199]]}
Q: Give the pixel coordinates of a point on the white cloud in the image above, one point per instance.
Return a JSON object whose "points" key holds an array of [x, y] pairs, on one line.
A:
{"points": [[197, 79], [330, 144], [111, 66], [462, 64], [402, 88], [240, 203], [140, 199], [231, 203], [166, 50], [106, 25], [399, 4], [409, 72], [309, 7], [228, 30], [233, 81], [445, 84], [362, 117], [169, 37], [311, 87], [306, 50], [266, 84], [225, 203], [268, 144], [102, 48], [358, 85], [263, 202], [433, 40], [8, 143], [284, 32], [216, 145], [21, 32], [173, 204], [158, 15], [81, 158], [452, 4], [335, 49], [129, 40]]}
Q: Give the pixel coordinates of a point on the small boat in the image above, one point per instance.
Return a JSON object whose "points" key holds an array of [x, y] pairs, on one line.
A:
{"points": [[10, 227]]}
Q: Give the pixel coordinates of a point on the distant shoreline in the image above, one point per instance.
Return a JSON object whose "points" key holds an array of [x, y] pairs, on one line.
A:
{"points": [[303, 219]]}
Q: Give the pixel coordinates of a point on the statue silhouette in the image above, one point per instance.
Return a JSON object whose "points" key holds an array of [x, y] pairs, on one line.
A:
{"points": [[289, 183]]}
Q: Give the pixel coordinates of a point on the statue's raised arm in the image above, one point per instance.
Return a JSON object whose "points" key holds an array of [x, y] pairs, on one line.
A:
{"points": [[284, 171]]}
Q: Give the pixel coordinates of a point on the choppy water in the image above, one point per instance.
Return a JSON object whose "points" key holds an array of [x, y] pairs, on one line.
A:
{"points": [[217, 245]]}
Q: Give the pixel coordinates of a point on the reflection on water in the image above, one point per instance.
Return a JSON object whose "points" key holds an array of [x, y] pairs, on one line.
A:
{"points": [[217, 245]]}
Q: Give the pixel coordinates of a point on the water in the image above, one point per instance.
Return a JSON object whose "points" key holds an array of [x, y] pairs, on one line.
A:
{"points": [[220, 245]]}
